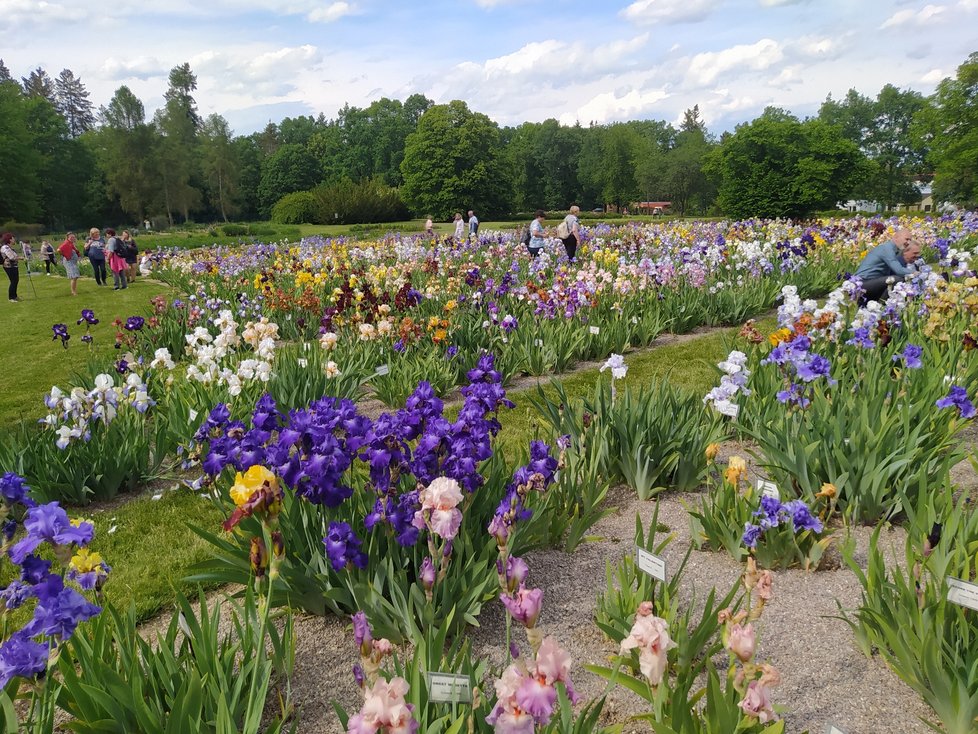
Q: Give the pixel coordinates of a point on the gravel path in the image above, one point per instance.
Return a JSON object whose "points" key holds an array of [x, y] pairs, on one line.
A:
{"points": [[825, 678]]}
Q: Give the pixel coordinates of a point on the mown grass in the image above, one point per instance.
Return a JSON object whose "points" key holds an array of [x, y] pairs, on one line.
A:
{"points": [[30, 361]]}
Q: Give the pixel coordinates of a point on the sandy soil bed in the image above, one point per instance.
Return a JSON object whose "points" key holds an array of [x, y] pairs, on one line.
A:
{"points": [[825, 678]]}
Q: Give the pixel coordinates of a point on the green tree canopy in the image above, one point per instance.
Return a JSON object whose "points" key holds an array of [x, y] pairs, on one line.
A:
{"points": [[20, 183], [777, 166], [290, 168], [951, 128], [452, 162]]}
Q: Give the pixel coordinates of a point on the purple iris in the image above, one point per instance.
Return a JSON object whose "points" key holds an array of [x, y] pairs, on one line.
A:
{"points": [[14, 490], [59, 610], [910, 356], [343, 547], [122, 366], [21, 657], [135, 323], [87, 317], [801, 516], [509, 323], [61, 332], [49, 523], [860, 338], [813, 368], [958, 398], [752, 533]]}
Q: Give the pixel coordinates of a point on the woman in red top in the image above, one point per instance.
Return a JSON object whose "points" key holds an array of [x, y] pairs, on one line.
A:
{"points": [[69, 251]]}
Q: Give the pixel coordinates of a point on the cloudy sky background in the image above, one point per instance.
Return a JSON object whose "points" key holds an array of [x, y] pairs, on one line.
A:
{"points": [[261, 60]]}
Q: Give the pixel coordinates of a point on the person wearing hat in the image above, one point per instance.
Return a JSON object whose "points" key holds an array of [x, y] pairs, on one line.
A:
{"points": [[11, 264]]}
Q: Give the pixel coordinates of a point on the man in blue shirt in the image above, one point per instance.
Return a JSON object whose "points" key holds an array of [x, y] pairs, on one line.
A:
{"points": [[893, 258]]}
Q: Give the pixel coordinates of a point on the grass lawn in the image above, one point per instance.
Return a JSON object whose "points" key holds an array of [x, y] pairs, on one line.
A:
{"points": [[31, 362]]}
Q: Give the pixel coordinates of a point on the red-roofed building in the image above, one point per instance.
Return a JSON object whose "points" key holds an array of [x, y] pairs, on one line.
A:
{"points": [[652, 207]]}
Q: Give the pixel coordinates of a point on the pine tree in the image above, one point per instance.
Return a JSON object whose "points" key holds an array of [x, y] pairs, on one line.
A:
{"points": [[182, 82], [73, 104], [4, 73], [39, 84]]}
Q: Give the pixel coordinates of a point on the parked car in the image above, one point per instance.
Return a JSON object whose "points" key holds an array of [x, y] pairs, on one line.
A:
{"points": [[598, 210]]}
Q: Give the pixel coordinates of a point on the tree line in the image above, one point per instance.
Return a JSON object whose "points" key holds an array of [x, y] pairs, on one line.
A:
{"points": [[66, 163]]}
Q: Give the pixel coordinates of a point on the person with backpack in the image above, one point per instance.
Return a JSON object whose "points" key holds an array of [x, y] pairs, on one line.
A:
{"points": [[11, 264], [130, 254], [95, 252], [569, 232], [69, 251], [117, 263]]}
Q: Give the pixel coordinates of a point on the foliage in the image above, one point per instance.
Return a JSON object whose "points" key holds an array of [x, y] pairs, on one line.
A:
{"points": [[210, 670], [951, 130], [290, 168], [905, 614], [651, 439], [459, 149], [296, 208], [777, 166]]}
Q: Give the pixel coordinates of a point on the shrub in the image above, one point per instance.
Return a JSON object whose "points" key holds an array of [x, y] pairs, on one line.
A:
{"points": [[367, 201], [296, 208], [23, 230]]}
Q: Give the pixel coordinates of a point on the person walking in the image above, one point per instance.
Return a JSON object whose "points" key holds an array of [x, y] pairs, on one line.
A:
{"points": [[69, 252], [47, 255], [537, 233], [569, 232], [459, 226], [429, 227], [11, 264], [117, 263], [473, 225], [130, 254], [95, 252]]}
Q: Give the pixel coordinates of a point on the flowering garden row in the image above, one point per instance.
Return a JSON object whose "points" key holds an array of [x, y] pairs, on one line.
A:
{"points": [[411, 522]]}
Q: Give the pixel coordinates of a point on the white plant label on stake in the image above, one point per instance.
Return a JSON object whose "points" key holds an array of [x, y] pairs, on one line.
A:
{"points": [[594, 330], [768, 489], [384, 369], [832, 729], [962, 593], [449, 688], [193, 414], [650, 563], [302, 362]]}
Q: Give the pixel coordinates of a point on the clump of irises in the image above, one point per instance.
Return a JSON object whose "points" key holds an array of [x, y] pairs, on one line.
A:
{"points": [[30, 533]]}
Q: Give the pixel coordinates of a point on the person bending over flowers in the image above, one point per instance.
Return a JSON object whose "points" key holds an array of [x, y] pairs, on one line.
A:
{"points": [[893, 258]]}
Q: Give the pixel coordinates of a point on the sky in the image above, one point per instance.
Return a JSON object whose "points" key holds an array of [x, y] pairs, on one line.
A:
{"points": [[583, 61]]}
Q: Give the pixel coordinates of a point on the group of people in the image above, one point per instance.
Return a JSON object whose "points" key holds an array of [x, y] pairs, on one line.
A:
{"points": [[568, 232], [460, 226], [117, 254]]}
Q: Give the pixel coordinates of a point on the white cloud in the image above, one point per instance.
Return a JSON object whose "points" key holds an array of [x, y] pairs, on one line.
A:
{"points": [[704, 68], [330, 13], [609, 106], [135, 67], [647, 12], [779, 3], [254, 74], [933, 76], [927, 14]]}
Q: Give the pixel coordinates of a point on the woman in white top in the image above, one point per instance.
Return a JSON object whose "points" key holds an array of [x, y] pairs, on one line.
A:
{"points": [[459, 226], [537, 233]]}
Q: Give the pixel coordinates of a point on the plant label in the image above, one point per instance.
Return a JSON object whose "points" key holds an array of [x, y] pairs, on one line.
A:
{"points": [[832, 729], [302, 362], [594, 330], [768, 489], [449, 688], [962, 593], [384, 369], [650, 563], [193, 414]]}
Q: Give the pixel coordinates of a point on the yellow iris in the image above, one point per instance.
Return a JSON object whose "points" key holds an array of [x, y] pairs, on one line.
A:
{"points": [[736, 470], [776, 337], [85, 561], [250, 482]]}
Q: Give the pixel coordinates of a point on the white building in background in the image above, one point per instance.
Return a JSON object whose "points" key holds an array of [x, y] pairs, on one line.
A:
{"points": [[926, 203]]}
